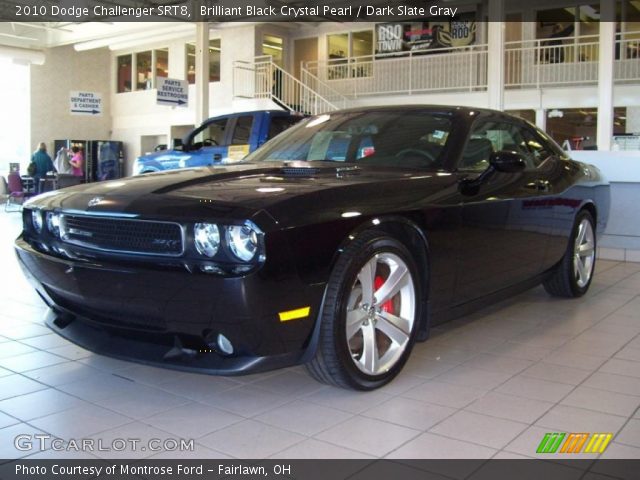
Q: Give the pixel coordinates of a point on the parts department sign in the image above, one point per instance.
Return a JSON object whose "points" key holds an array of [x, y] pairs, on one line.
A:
{"points": [[172, 92], [85, 103]]}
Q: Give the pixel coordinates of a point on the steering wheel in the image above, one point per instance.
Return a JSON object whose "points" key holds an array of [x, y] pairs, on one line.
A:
{"points": [[414, 151], [209, 142]]}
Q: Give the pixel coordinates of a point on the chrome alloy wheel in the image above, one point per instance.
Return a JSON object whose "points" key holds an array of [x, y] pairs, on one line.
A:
{"points": [[584, 253], [380, 313]]}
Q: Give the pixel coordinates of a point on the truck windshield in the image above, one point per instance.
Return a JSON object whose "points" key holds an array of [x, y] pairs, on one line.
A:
{"points": [[407, 138]]}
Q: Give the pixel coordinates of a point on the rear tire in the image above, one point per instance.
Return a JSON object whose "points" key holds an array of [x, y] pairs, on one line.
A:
{"points": [[370, 316], [572, 276]]}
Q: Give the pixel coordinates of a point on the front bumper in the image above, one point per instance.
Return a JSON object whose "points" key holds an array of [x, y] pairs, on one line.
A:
{"points": [[172, 318]]}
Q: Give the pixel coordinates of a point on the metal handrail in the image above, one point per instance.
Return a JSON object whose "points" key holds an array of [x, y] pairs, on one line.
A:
{"points": [[263, 78], [441, 69], [568, 61]]}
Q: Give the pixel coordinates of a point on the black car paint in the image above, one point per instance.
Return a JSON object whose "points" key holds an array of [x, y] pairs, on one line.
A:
{"points": [[475, 245]]}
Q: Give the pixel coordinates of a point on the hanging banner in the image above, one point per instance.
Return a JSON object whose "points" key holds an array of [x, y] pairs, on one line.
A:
{"points": [[424, 36]]}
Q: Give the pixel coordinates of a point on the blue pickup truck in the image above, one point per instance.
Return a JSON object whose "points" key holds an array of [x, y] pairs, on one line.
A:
{"points": [[223, 139]]}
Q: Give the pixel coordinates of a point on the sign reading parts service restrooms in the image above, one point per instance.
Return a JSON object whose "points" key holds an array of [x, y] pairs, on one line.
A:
{"points": [[172, 92], [85, 103]]}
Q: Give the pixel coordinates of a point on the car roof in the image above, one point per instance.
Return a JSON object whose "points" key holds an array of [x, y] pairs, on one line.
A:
{"points": [[459, 109], [253, 112]]}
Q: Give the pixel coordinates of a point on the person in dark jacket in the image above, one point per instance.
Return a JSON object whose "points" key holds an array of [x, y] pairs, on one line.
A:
{"points": [[556, 54], [43, 164]]}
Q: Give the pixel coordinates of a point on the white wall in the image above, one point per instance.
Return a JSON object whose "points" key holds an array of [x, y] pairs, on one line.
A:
{"points": [[621, 239], [129, 116], [66, 70], [14, 122], [136, 114]]}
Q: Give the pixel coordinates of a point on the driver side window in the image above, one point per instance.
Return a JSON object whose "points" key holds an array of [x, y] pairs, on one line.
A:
{"points": [[488, 137], [211, 135]]}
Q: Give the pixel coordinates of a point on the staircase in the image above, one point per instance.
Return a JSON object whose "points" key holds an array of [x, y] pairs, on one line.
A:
{"points": [[263, 79]]}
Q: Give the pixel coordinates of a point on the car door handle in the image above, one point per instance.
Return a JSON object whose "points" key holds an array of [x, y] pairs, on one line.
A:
{"points": [[217, 157]]}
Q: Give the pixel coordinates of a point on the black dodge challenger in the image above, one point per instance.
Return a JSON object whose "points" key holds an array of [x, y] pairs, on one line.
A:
{"points": [[337, 244]]}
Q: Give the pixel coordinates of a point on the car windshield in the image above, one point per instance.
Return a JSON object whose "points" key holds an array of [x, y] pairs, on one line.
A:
{"points": [[392, 138]]}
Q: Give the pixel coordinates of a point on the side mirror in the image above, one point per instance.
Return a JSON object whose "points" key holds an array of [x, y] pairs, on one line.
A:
{"points": [[507, 162], [504, 161]]}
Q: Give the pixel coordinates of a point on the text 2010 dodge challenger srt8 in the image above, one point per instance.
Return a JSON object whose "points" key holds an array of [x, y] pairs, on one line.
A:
{"points": [[337, 244]]}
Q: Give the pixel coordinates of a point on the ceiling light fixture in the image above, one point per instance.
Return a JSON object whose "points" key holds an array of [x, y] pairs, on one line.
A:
{"points": [[117, 42], [20, 37]]}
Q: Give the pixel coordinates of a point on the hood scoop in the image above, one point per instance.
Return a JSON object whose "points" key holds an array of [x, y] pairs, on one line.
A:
{"points": [[300, 171]]}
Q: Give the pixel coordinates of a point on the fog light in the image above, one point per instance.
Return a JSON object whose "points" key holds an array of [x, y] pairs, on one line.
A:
{"points": [[224, 344]]}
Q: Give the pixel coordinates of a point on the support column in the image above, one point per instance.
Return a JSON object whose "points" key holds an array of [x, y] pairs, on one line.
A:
{"points": [[202, 72], [605, 76], [633, 120], [541, 119], [495, 60]]}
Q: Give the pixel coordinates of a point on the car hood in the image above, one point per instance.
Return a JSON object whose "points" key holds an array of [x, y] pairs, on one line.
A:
{"points": [[286, 191]]}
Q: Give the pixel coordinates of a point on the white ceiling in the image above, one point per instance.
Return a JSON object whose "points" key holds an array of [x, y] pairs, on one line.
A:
{"points": [[38, 35]]}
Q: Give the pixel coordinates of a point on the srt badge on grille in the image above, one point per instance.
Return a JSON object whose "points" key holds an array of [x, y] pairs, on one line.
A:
{"points": [[94, 201]]}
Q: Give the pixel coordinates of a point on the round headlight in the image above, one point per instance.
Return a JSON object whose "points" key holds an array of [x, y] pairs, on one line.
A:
{"points": [[207, 238], [36, 220], [243, 241], [53, 223]]}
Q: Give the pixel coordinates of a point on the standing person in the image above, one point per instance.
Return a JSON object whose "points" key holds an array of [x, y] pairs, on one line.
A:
{"points": [[43, 164], [62, 161], [77, 162], [556, 54]]}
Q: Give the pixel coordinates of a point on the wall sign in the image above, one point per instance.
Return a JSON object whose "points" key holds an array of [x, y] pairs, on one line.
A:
{"points": [[172, 92], [85, 103]]}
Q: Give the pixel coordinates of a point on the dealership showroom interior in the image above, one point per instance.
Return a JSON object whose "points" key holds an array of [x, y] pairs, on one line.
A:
{"points": [[301, 234]]}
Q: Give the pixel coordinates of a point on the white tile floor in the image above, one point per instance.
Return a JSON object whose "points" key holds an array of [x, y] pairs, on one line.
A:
{"points": [[486, 385]]}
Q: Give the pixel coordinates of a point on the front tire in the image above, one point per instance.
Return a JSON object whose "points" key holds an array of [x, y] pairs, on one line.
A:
{"points": [[370, 314], [572, 276]]}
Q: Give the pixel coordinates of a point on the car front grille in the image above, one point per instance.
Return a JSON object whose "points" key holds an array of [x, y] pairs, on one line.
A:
{"points": [[124, 235]]}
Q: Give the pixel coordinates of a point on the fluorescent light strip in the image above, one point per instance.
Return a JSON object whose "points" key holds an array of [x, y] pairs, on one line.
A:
{"points": [[115, 41], [146, 41], [18, 36]]}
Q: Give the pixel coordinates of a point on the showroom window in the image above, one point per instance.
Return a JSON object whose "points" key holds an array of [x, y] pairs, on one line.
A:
{"points": [[214, 61], [627, 31], [350, 54], [16, 126], [274, 47], [569, 34], [143, 77], [576, 128], [124, 73], [162, 62], [144, 73]]}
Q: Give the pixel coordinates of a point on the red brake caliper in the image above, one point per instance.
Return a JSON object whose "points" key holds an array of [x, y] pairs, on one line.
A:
{"points": [[388, 305]]}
